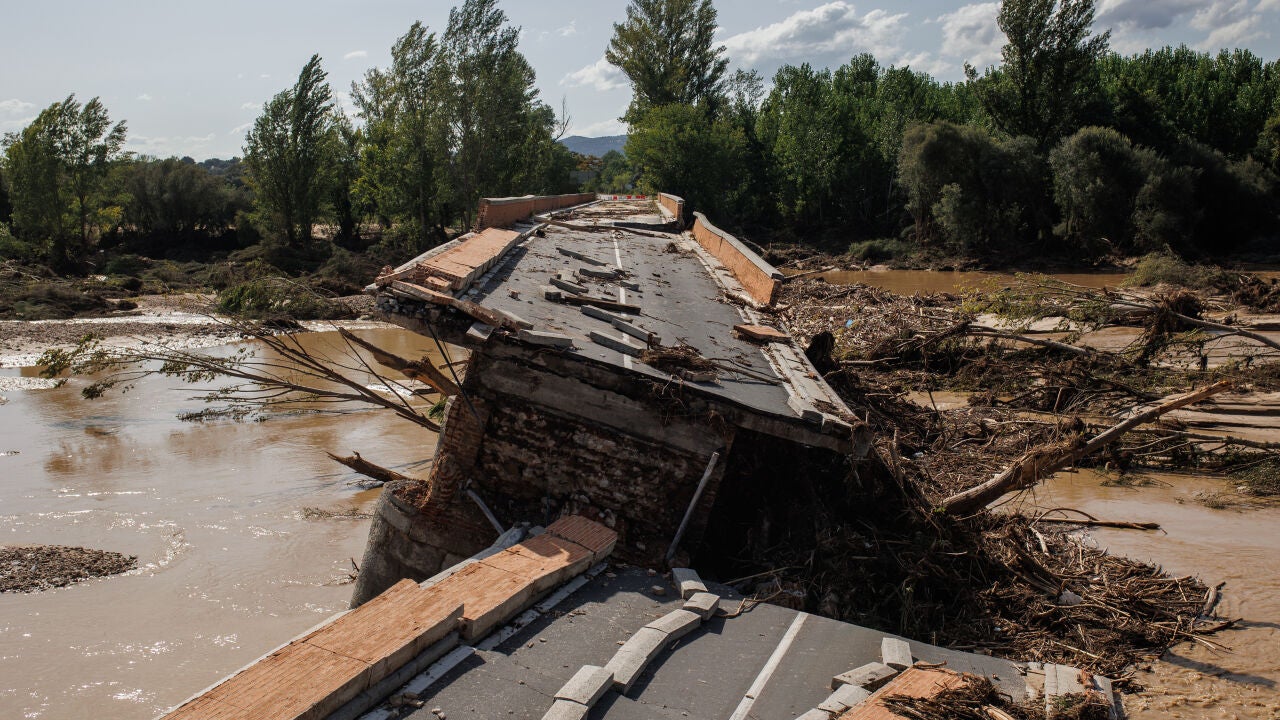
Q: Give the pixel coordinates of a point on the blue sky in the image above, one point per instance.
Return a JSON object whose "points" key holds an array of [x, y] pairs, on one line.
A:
{"points": [[189, 77]]}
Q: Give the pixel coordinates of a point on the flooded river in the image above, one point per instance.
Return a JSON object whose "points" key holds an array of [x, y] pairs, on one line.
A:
{"points": [[228, 565], [1237, 546]]}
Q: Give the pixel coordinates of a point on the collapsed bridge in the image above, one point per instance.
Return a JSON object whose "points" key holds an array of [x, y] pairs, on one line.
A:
{"points": [[619, 369]]}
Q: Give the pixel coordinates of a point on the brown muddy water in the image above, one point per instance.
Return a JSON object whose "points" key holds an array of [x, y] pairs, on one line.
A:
{"points": [[228, 566], [1238, 546]]}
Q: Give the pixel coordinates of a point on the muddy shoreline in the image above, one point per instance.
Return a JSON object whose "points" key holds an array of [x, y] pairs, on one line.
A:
{"points": [[184, 321]]}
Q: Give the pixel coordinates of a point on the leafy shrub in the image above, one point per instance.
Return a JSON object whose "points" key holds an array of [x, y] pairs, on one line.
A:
{"points": [[1167, 268], [878, 250], [275, 298], [126, 265]]}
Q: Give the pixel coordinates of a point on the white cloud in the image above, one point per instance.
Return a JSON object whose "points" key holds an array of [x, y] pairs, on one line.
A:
{"points": [[599, 75], [240, 129], [603, 128], [1268, 5], [1229, 23], [568, 30], [927, 63], [356, 54], [829, 33], [251, 106], [971, 34], [14, 106], [1130, 15], [145, 97]]}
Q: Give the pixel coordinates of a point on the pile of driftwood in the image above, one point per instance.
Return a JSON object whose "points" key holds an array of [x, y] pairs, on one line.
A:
{"points": [[976, 698]]}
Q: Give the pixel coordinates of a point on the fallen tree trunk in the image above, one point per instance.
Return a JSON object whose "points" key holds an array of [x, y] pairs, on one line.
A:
{"points": [[368, 469], [422, 371], [1046, 460], [1053, 344]]}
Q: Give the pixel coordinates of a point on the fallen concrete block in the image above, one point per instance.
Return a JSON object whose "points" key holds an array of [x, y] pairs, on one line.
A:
{"points": [[566, 710], [569, 285], [552, 294], [630, 285], [515, 319], [635, 331], [688, 582], [1059, 680], [605, 315], [611, 274], [580, 256], [548, 339], [815, 714], [845, 697], [703, 603], [634, 656], [614, 343], [479, 332], [870, 676], [896, 653], [677, 623], [587, 685]]}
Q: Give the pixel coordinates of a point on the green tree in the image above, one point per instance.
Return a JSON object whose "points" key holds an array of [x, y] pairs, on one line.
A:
{"points": [[666, 48], [1048, 80], [1097, 175], [404, 155], [490, 95], [58, 165], [172, 197], [970, 192], [680, 149], [288, 154]]}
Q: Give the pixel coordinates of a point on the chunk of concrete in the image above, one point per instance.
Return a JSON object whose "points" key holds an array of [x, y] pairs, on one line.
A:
{"points": [[602, 314], [688, 582], [587, 685], [479, 332], [703, 603], [515, 319], [1059, 680], [634, 656], [635, 331], [850, 695], [566, 710], [614, 343], [896, 653], [610, 274], [547, 339], [677, 623], [569, 285], [552, 294], [815, 714], [869, 676]]}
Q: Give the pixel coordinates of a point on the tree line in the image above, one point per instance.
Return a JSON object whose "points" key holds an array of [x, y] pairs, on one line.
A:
{"points": [[1064, 148], [455, 117]]}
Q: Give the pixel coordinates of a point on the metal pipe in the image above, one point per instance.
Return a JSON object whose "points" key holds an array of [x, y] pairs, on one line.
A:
{"points": [[688, 514]]}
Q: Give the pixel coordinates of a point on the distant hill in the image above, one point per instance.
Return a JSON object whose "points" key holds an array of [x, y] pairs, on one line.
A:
{"points": [[596, 146]]}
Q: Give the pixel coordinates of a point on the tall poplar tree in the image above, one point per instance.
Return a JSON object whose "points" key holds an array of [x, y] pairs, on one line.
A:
{"points": [[288, 154], [667, 49]]}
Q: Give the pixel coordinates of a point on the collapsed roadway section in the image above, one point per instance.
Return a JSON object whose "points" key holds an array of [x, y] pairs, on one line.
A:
{"points": [[619, 368]]}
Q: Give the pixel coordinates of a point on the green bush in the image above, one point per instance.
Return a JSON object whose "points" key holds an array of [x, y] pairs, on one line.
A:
{"points": [[1167, 268], [11, 248], [126, 265], [275, 298], [878, 250]]}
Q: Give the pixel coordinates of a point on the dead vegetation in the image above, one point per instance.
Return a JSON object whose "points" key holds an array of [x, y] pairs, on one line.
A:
{"points": [[977, 698], [41, 567], [1042, 397]]}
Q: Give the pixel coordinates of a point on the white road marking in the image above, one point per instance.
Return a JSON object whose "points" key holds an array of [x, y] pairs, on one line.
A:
{"points": [[771, 665], [622, 298]]}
